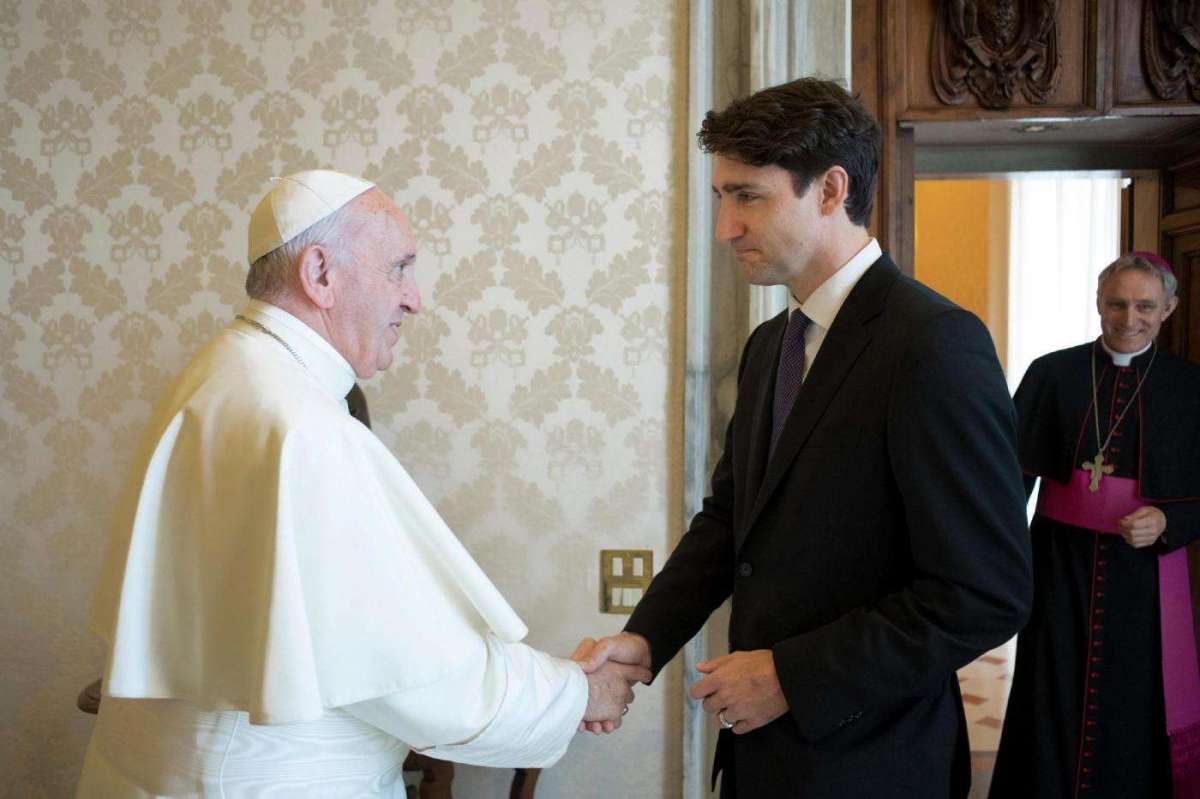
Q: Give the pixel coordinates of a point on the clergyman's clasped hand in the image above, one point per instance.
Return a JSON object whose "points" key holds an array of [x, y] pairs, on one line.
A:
{"points": [[612, 666]]}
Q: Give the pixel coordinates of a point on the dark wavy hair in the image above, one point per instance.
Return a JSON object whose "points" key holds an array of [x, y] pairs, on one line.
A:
{"points": [[805, 126]]}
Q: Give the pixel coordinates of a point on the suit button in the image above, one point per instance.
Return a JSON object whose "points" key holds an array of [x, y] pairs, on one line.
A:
{"points": [[745, 569]]}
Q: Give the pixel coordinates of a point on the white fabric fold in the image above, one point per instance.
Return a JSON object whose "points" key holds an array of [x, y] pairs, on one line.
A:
{"points": [[160, 748]]}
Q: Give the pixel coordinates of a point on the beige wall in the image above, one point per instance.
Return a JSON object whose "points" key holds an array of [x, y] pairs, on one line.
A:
{"points": [[535, 145], [961, 247]]}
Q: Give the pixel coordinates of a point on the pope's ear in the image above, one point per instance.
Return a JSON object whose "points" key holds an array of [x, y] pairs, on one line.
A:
{"points": [[314, 272]]}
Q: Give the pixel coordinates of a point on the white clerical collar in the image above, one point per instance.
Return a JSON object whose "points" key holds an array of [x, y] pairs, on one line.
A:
{"points": [[320, 358], [1123, 358], [824, 303]]}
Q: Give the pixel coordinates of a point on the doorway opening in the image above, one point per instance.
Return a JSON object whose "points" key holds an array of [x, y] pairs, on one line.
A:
{"points": [[1022, 251]]}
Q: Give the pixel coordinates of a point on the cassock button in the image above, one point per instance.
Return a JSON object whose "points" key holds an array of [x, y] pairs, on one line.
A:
{"points": [[745, 569]]}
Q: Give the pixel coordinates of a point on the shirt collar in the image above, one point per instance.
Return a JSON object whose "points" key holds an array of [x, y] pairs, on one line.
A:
{"points": [[320, 358], [1124, 358], [824, 303]]}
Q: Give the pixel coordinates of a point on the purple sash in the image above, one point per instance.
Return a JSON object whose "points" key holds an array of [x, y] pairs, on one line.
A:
{"points": [[1075, 505]]}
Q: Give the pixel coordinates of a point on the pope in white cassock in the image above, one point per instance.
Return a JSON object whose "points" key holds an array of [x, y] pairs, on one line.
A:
{"points": [[286, 613]]}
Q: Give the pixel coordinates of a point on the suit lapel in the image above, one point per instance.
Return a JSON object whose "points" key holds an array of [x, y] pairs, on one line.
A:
{"points": [[760, 428], [844, 342]]}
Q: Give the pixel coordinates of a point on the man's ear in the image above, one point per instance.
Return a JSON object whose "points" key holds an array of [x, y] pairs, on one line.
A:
{"points": [[834, 186], [1171, 306], [315, 278]]}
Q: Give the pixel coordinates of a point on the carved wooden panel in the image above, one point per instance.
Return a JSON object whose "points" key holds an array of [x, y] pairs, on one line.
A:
{"points": [[993, 49], [1171, 47], [1155, 47], [998, 57]]}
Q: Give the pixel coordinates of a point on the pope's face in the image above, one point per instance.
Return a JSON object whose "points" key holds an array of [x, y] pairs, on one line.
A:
{"points": [[377, 286], [772, 232], [1132, 310]]}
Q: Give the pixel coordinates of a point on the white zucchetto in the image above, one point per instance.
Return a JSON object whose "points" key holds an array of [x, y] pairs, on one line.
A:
{"points": [[296, 203]]}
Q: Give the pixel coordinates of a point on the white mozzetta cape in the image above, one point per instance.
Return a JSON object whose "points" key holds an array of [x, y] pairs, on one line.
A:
{"points": [[271, 556]]}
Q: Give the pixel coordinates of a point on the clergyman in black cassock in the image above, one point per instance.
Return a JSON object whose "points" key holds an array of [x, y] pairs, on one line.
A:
{"points": [[1086, 713]]}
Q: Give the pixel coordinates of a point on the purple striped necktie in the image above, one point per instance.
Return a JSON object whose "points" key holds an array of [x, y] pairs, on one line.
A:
{"points": [[790, 374]]}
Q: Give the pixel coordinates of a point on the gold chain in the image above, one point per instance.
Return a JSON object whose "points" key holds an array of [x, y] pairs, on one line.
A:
{"points": [[1128, 405], [273, 335]]}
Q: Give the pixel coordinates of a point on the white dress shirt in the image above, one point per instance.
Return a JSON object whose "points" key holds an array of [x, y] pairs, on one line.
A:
{"points": [[823, 304]]}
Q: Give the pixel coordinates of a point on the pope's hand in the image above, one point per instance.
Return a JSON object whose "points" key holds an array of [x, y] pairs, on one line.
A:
{"points": [[610, 693], [624, 648], [743, 687], [1142, 527]]}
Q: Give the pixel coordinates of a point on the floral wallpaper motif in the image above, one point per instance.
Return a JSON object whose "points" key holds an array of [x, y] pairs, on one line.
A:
{"points": [[536, 147]]}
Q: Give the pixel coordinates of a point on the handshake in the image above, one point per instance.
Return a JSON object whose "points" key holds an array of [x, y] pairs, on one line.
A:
{"points": [[740, 690], [612, 666]]}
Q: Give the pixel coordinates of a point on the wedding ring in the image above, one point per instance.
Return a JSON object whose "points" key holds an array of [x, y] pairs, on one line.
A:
{"points": [[625, 710], [725, 725]]}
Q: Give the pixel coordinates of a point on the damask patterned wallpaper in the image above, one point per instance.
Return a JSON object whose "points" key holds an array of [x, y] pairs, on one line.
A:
{"points": [[536, 146]]}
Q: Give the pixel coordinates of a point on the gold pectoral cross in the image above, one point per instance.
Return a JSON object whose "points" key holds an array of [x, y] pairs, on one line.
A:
{"points": [[1097, 467]]}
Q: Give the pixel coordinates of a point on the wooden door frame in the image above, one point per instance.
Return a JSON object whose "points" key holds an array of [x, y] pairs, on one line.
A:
{"points": [[1182, 331]]}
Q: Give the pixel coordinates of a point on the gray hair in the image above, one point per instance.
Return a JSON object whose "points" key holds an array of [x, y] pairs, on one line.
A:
{"points": [[1133, 261], [269, 276]]}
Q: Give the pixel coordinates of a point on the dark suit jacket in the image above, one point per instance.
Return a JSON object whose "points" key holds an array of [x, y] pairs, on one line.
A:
{"points": [[882, 547]]}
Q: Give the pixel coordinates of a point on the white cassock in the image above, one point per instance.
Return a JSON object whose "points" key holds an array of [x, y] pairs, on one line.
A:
{"points": [[286, 613]]}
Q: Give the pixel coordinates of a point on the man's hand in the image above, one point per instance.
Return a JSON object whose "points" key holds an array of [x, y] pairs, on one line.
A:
{"points": [[624, 648], [1142, 527], [744, 687], [610, 693]]}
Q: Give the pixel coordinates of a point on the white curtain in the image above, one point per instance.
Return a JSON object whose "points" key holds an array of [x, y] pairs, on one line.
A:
{"points": [[1063, 231]]}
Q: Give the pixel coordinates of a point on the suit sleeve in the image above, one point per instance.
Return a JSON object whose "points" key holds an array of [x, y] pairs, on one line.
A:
{"points": [[952, 445], [698, 576]]}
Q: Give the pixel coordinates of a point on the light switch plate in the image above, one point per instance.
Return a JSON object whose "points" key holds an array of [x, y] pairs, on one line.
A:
{"points": [[624, 577]]}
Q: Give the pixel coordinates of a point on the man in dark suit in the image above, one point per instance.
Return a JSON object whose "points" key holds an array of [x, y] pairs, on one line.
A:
{"points": [[867, 515]]}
